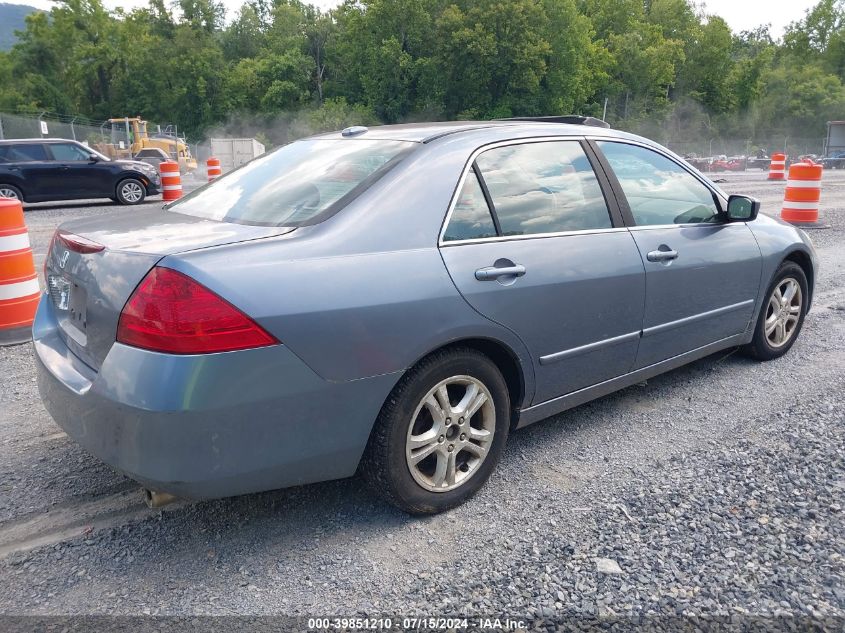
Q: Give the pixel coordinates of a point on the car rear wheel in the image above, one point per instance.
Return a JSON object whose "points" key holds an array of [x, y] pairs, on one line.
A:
{"points": [[10, 191], [781, 315], [131, 191], [440, 433]]}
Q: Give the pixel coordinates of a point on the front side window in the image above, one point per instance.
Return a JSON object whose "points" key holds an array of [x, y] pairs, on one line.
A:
{"points": [[68, 152], [471, 217], [659, 191], [299, 184], [543, 187]]}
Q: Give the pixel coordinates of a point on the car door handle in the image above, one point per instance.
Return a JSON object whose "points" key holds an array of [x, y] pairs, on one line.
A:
{"points": [[491, 273], [662, 256]]}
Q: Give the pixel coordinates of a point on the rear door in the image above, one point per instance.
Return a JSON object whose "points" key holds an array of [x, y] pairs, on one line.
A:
{"points": [[31, 162], [702, 273], [532, 244]]}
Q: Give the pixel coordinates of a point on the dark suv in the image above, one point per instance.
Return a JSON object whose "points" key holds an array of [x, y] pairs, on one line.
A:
{"points": [[38, 170]]}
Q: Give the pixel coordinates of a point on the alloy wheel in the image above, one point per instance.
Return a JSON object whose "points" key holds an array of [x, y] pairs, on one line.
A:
{"points": [[783, 312], [5, 192], [450, 433], [131, 191]]}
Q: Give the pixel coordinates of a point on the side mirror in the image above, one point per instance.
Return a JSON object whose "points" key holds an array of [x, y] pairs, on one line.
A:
{"points": [[93, 158], [742, 208]]}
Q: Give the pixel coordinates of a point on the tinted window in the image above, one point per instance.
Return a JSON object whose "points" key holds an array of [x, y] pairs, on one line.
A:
{"points": [[149, 153], [22, 153], [659, 190], [543, 187], [295, 185], [68, 151], [471, 217]]}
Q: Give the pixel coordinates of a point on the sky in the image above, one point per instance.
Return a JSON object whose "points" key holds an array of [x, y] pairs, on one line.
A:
{"points": [[739, 14]]}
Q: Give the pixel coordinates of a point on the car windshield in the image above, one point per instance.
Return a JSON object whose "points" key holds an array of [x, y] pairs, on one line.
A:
{"points": [[296, 185]]}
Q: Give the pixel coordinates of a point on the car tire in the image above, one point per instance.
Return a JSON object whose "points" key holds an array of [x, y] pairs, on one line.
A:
{"points": [[408, 427], [781, 315], [10, 191], [130, 191]]}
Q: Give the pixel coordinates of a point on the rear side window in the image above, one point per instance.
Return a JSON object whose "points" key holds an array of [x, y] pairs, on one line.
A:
{"points": [[22, 153], [471, 217], [659, 191], [296, 185], [68, 151], [545, 187]]}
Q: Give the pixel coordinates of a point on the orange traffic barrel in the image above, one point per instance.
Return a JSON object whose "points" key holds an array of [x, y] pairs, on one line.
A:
{"points": [[803, 191], [19, 290], [777, 168], [213, 167], [171, 181]]}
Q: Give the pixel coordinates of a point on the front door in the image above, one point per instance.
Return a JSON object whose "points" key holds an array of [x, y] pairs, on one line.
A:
{"points": [[76, 174], [531, 244], [702, 273]]}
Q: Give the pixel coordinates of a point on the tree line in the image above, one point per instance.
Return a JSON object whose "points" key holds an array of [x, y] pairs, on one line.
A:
{"points": [[658, 66]]}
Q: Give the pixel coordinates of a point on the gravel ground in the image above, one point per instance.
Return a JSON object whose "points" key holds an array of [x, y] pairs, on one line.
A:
{"points": [[714, 491]]}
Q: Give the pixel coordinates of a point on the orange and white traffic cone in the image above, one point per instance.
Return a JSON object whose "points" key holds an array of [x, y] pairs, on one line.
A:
{"points": [[213, 168], [19, 289], [802, 195], [171, 180], [777, 168]]}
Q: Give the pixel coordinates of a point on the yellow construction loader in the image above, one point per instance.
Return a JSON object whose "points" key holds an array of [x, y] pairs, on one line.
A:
{"points": [[133, 135]]}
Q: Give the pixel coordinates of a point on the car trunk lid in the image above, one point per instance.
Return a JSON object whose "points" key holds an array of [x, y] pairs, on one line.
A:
{"points": [[94, 265]]}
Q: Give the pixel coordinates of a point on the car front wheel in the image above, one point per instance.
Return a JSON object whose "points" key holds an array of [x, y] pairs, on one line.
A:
{"points": [[10, 191], [131, 191], [782, 313], [440, 433]]}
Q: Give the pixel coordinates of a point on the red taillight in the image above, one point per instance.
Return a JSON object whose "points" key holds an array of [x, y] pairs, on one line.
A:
{"points": [[170, 312], [78, 244]]}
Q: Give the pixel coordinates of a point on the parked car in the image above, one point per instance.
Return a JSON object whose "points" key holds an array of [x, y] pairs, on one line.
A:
{"points": [[834, 161], [154, 156], [40, 170], [398, 300]]}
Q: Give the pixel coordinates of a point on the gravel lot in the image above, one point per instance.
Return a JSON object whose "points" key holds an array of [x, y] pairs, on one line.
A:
{"points": [[714, 491]]}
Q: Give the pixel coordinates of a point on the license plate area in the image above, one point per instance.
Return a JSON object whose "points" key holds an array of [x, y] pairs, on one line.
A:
{"points": [[77, 307], [70, 300]]}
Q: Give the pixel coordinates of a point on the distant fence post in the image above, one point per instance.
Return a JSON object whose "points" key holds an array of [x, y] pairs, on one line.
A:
{"points": [[1, 129]]}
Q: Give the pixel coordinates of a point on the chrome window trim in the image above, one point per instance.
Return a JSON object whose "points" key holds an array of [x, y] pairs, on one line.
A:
{"points": [[669, 156], [693, 225], [531, 236], [502, 238]]}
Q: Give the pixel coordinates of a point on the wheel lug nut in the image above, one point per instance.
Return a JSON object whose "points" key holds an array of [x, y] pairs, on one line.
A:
{"points": [[441, 439], [451, 447], [460, 420], [463, 436], [448, 421]]}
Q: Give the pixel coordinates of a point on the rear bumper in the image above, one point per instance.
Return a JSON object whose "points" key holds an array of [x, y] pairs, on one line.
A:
{"points": [[207, 426]]}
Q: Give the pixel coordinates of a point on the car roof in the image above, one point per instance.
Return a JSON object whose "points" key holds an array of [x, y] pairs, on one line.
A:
{"points": [[26, 141], [428, 132]]}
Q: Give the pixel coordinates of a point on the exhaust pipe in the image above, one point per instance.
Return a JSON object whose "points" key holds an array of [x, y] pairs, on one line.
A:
{"points": [[156, 499]]}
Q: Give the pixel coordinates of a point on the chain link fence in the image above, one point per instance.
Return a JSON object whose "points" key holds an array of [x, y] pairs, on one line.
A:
{"points": [[112, 138], [792, 147]]}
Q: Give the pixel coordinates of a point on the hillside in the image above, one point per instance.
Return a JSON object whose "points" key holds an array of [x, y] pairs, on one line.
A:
{"points": [[11, 20]]}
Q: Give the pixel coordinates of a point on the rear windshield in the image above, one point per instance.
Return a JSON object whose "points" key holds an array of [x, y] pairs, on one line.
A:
{"points": [[296, 185]]}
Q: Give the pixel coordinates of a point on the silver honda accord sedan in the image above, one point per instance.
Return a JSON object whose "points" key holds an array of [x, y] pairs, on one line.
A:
{"points": [[397, 300]]}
